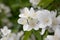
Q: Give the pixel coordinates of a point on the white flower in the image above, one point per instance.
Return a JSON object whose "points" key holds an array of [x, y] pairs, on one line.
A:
{"points": [[0, 11], [54, 13], [45, 18], [49, 37], [43, 31], [5, 9], [26, 13], [7, 22], [57, 32], [5, 31], [58, 20], [29, 19], [1, 6], [19, 35], [4, 38], [34, 2], [13, 36], [22, 21], [55, 23], [56, 36]]}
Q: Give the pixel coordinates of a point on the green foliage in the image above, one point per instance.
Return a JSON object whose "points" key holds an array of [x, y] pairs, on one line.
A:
{"points": [[37, 35], [27, 35], [45, 3]]}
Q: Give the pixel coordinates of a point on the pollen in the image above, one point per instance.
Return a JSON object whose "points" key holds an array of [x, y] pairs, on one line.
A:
{"points": [[46, 20]]}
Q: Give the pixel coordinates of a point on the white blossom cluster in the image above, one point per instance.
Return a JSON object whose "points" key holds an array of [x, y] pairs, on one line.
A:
{"points": [[8, 35], [6, 21], [31, 19], [34, 2], [36, 19], [4, 14], [5, 9], [56, 36]]}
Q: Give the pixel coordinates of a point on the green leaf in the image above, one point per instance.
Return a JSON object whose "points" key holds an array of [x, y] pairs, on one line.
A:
{"points": [[27, 35], [45, 34], [45, 3], [16, 28], [17, 3], [37, 34]]}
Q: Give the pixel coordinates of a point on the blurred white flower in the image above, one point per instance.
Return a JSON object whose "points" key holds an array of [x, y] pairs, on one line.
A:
{"points": [[54, 13], [43, 31], [5, 9], [0, 11], [29, 19], [4, 38], [56, 36], [6, 21], [34, 2], [26, 13], [45, 19], [58, 20], [55, 23], [1, 6], [19, 35], [13, 36], [5, 31], [48, 20], [49, 37]]}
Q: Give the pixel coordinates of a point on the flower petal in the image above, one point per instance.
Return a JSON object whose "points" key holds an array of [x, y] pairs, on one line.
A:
{"points": [[36, 27], [42, 26], [34, 2], [43, 30], [53, 13], [24, 12], [58, 19], [32, 10], [26, 27], [22, 21], [49, 37], [23, 15]]}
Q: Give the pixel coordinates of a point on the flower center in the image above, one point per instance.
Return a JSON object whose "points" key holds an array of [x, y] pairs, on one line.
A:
{"points": [[25, 14], [46, 20], [32, 22]]}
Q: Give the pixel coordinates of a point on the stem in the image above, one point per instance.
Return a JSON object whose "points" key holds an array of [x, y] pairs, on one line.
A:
{"points": [[37, 34]]}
